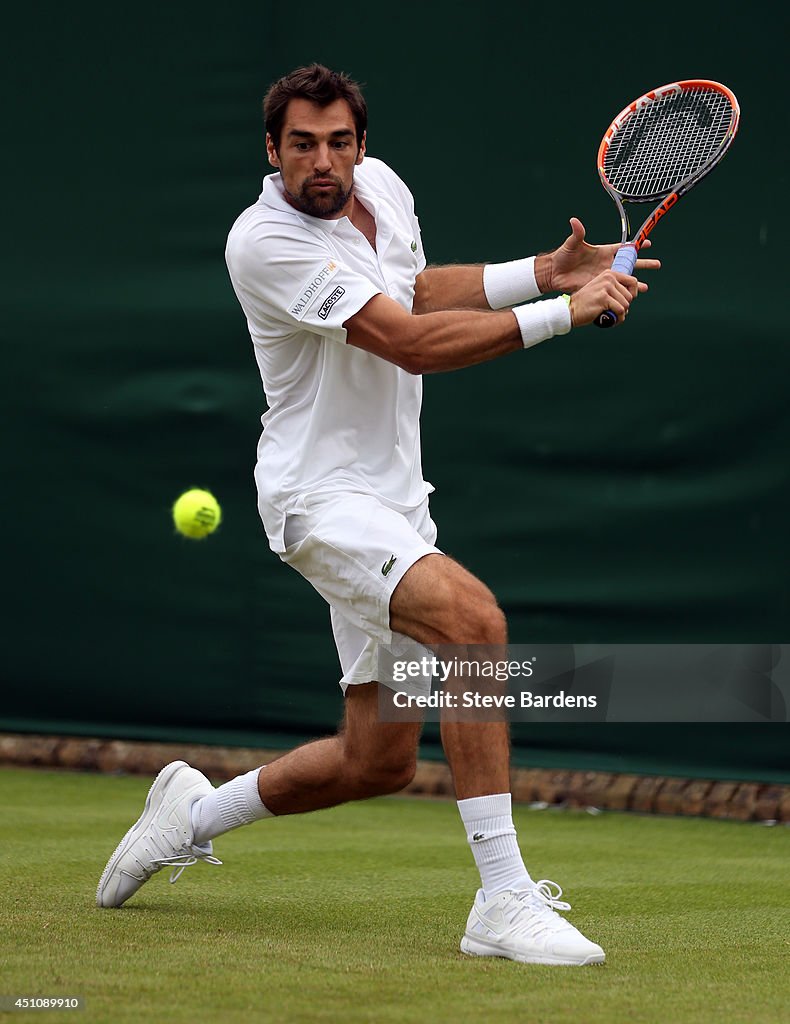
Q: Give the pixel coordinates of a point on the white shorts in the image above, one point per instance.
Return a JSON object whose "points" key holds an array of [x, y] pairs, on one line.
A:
{"points": [[355, 550]]}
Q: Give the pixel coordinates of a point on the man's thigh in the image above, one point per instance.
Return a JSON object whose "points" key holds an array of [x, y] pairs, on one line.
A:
{"points": [[355, 551], [438, 601]]}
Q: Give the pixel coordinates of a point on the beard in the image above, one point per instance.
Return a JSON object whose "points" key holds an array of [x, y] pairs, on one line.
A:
{"points": [[320, 203]]}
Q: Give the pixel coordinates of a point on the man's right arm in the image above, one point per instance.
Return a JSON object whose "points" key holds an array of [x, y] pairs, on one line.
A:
{"points": [[432, 342], [452, 339]]}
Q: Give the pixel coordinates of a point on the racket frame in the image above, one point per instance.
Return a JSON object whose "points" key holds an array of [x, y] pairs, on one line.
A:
{"points": [[667, 200]]}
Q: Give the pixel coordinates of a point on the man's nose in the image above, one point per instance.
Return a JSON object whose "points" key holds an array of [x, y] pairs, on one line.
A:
{"points": [[323, 158]]}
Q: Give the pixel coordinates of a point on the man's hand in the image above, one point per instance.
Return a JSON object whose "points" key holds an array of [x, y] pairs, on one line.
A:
{"points": [[576, 263], [609, 290]]}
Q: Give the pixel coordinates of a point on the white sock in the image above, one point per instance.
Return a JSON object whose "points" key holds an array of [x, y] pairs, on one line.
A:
{"points": [[492, 837], [227, 807]]}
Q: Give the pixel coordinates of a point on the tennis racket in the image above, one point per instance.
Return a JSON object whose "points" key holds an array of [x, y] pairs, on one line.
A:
{"points": [[657, 149]]}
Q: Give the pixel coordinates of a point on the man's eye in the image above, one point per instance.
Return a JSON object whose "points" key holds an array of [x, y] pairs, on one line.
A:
{"points": [[340, 144], [303, 146]]}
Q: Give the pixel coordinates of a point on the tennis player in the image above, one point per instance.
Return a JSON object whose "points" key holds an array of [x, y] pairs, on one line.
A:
{"points": [[345, 316]]}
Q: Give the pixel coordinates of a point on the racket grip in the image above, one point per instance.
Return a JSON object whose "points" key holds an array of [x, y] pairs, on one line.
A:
{"points": [[624, 262]]}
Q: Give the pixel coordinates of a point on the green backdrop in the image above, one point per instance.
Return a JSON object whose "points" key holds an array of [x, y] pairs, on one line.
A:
{"points": [[627, 486]]}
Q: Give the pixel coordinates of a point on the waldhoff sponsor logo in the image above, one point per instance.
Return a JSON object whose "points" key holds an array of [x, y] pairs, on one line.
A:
{"points": [[323, 312], [311, 288]]}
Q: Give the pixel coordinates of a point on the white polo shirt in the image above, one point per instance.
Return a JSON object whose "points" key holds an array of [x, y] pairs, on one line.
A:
{"points": [[340, 419]]}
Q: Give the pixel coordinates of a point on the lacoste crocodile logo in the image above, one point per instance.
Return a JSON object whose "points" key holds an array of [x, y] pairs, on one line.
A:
{"points": [[386, 569]]}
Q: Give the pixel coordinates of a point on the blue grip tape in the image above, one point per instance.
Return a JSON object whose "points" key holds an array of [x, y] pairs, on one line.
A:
{"points": [[625, 260]]}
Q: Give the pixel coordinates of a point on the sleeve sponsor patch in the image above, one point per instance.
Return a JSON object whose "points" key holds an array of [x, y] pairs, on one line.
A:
{"points": [[311, 288], [323, 312]]}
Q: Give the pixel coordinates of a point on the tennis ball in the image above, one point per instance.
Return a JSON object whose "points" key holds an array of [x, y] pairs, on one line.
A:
{"points": [[197, 514]]}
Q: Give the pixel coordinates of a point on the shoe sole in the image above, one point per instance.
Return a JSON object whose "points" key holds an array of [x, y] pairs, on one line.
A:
{"points": [[476, 947], [161, 781]]}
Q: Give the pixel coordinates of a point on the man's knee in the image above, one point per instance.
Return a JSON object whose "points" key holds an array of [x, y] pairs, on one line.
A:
{"points": [[470, 614], [489, 623], [378, 776], [438, 601]]}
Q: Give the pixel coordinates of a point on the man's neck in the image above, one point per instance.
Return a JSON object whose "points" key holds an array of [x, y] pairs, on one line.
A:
{"points": [[364, 221]]}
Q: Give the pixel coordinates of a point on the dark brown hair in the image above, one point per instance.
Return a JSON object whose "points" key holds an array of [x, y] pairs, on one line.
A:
{"points": [[319, 85]]}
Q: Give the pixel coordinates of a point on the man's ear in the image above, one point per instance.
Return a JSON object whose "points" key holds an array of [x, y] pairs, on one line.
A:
{"points": [[271, 152], [362, 146]]}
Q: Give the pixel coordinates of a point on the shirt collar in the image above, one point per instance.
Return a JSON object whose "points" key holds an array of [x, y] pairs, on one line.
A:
{"points": [[273, 196]]}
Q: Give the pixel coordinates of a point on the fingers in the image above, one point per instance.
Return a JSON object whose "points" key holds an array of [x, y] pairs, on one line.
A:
{"points": [[619, 303], [626, 281], [626, 290], [647, 264], [641, 264], [609, 290], [619, 292], [576, 238]]}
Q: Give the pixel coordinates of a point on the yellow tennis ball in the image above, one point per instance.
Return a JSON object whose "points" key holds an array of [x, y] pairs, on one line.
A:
{"points": [[197, 514]]}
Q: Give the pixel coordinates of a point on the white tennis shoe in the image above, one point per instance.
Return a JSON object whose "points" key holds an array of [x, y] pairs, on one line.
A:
{"points": [[525, 926], [163, 835]]}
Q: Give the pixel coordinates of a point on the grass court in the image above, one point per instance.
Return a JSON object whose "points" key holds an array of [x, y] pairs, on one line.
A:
{"points": [[355, 914]]}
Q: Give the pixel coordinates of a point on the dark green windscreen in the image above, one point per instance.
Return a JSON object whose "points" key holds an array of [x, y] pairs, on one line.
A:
{"points": [[622, 486]]}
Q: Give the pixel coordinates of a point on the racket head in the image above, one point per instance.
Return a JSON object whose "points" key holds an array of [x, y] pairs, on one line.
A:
{"points": [[667, 140]]}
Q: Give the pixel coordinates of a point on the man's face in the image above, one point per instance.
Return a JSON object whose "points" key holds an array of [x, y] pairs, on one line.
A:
{"points": [[316, 157]]}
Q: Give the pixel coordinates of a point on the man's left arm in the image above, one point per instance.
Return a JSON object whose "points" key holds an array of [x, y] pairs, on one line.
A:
{"points": [[497, 286], [454, 287]]}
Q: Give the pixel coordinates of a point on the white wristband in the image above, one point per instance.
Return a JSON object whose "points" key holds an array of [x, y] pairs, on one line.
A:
{"points": [[542, 320], [507, 284]]}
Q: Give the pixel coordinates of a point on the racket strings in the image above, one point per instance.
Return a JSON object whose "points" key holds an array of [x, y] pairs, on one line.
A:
{"points": [[660, 151], [667, 141]]}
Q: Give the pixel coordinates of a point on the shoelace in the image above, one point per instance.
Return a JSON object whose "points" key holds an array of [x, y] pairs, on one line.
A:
{"points": [[184, 860], [544, 892], [537, 913]]}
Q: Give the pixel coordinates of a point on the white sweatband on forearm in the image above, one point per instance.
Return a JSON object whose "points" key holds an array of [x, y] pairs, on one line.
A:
{"points": [[542, 320], [508, 284]]}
